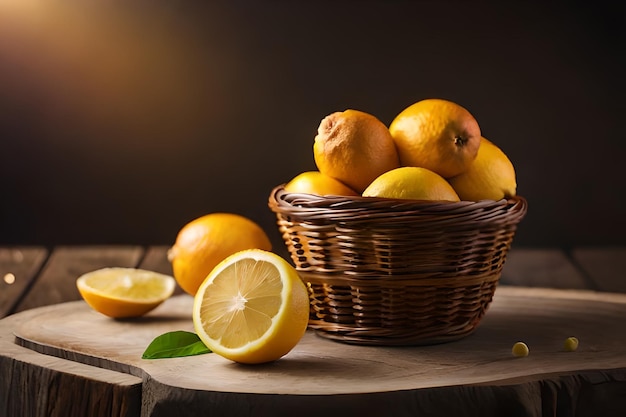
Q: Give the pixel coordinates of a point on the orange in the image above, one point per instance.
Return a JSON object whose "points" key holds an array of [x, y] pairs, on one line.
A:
{"points": [[204, 242], [354, 147], [413, 183], [436, 134], [253, 308], [490, 177], [314, 182], [124, 292]]}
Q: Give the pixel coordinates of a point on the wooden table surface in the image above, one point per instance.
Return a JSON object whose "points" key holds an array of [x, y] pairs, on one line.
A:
{"points": [[32, 277], [36, 276]]}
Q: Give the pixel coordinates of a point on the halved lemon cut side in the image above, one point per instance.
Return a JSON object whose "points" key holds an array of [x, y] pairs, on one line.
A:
{"points": [[252, 308], [125, 292]]}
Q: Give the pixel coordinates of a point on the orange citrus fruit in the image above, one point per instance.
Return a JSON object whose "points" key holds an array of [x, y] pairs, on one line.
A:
{"points": [[124, 292], [354, 147], [204, 242], [253, 308], [413, 183], [436, 134], [490, 177], [314, 182]]}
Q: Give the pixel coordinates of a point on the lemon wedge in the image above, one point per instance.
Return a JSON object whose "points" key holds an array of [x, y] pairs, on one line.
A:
{"points": [[124, 292]]}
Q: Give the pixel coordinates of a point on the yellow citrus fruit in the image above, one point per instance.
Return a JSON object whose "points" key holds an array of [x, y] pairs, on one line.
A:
{"points": [[314, 182], [354, 147], [253, 308], [571, 344], [436, 134], [124, 292], [490, 177], [204, 242], [413, 183], [520, 349]]}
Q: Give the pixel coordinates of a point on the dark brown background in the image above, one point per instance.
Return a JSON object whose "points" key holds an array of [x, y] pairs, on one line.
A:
{"points": [[122, 120]]}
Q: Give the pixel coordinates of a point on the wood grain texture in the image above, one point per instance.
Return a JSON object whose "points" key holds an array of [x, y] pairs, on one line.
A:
{"points": [[19, 267], [35, 385], [57, 281], [155, 259], [473, 376], [606, 267], [542, 267]]}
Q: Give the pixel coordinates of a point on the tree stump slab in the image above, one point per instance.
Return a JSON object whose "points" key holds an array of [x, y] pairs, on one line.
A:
{"points": [[474, 376]]}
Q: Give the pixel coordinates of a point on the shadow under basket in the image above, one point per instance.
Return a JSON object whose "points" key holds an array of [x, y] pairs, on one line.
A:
{"points": [[396, 272]]}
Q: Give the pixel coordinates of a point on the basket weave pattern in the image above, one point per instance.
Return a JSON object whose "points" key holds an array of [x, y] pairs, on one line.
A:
{"points": [[396, 272]]}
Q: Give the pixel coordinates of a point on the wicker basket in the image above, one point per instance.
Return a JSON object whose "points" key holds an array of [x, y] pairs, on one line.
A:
{"points": [[396, 272]]}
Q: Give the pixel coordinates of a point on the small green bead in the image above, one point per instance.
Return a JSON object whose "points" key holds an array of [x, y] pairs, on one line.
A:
{"points": [[520, 349], [571, 344]]}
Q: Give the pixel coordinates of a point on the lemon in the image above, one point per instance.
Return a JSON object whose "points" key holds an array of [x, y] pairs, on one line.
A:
{"points": [[490, 177], [204, 242], [252, 308], [436, 134], [354, 147], [520, 349], [124, 292], [314, 182], [570, 344], [411, 183]]}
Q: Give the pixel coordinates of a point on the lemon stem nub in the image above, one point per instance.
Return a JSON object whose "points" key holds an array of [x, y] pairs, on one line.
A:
{"points": [[459, 141]]}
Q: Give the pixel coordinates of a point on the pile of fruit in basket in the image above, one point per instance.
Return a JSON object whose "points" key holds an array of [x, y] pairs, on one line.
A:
{"points": [[432, 150]]}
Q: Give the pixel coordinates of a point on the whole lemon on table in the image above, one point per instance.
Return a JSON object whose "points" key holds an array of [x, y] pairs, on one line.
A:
{"points": [[490, 177], [413, 183], [436, 134], [204, 242], [314, 182], [354, 147]]}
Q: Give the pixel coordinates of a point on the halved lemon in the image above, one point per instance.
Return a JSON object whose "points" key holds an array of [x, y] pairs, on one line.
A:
{"points": [[124, 292], [252, 308]]}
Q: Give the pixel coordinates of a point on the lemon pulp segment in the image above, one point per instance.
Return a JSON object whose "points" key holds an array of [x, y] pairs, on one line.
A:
{"points": [[135, 285], [242, 302]]}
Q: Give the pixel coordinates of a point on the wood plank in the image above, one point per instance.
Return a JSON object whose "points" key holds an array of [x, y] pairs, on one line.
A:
{"points": [[57, 281], [18, 268], [37, 385], [605, 266], [156, 260], [476, 375], [542, 267]]}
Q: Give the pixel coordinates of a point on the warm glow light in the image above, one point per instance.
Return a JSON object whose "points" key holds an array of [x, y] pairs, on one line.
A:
{"points": [[100, 66], [9, 278]]}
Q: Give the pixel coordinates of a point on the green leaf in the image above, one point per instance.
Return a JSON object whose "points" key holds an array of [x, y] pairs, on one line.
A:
{"points": [[175, 345]]}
